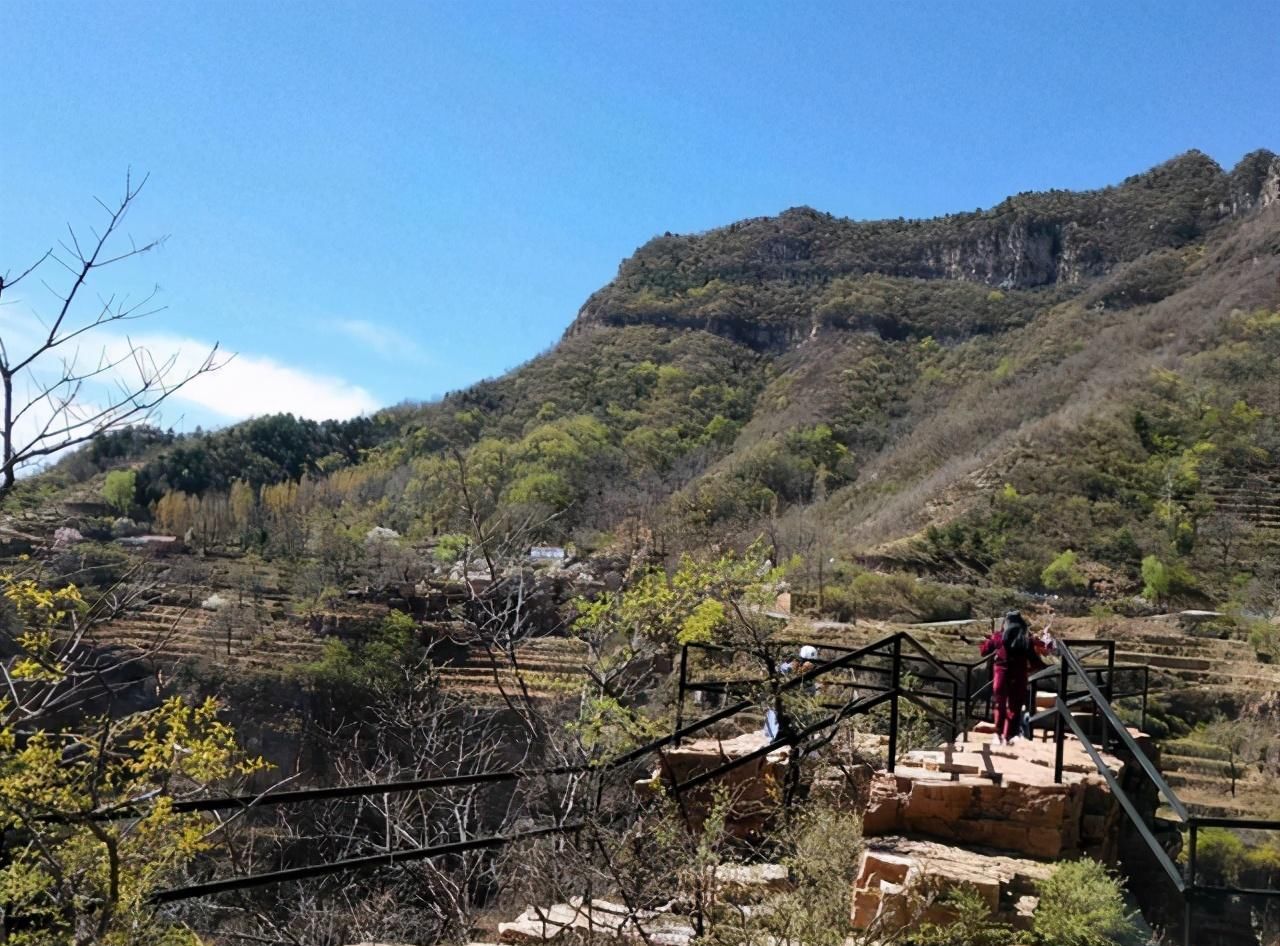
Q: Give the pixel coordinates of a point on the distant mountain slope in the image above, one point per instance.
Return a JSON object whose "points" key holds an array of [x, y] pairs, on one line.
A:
{"points": [[971, 396], [771, 281]]}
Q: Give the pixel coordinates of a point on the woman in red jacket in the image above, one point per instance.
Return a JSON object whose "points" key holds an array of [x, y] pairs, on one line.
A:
{"points": [[1016, 659]]}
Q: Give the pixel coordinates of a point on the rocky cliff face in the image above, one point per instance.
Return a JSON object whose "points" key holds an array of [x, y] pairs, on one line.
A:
{"points": [[759, 280]]}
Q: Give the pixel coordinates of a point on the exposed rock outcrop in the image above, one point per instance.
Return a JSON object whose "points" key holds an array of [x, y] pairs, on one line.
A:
{"points": [[753, 788], [902, 881]]}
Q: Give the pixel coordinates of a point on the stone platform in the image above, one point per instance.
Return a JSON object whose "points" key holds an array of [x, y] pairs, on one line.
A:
{"points": [[1000, 797]]}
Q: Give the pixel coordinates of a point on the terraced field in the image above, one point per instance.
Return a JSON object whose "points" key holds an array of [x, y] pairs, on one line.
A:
{"points": [[548, 666], [1254, 498], [237, 616], [175, 633]]}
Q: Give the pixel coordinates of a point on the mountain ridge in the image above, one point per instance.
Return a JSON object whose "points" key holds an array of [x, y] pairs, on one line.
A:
{"points": [[797, 377], [1027, 241]]}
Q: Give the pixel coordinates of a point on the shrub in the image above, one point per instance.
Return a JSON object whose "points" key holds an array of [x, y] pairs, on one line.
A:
{"points": [[119, 490], [450, 547], [973, 924], [378, 662], [1062, 574], [1220, 856], [1081, 904], [824, 846]]}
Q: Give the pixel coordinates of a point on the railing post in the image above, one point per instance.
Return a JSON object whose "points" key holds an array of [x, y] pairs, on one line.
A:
{"points": [[1109, 690], [684, 665], [955, 709], [1032, 689], [968, 700], [895, 683], [1060, 724], [991, 681], [1191, 855], [1188, 895], [1146, 680]]}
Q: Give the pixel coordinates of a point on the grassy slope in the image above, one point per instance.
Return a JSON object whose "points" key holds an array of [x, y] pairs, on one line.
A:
{"points": [[879, 377]]}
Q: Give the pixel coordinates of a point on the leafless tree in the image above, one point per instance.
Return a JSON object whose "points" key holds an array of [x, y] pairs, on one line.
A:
{"points": [[54, 397], [408, 728]]}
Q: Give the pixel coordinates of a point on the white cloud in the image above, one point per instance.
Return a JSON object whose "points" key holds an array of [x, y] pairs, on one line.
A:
{"points": [[382, 339], [247, 385], [250, 385]]}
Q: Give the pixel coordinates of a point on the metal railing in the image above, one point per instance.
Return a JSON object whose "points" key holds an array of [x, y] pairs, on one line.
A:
{"points": [[885, 672], [909, 671], [1063, 716], [978, 689]]}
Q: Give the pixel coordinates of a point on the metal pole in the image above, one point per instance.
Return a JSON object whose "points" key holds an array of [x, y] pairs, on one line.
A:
{"points": [[991, 681], [1032, 693], [1059, 728], [684, 664], [1189, 894], [896, 676], [1191, 856], [1109, 690], [1146, 680], [968, 700], [955, 709]]}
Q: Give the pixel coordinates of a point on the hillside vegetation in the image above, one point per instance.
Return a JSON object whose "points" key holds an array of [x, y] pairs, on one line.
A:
{"points": [[1069, 393]]}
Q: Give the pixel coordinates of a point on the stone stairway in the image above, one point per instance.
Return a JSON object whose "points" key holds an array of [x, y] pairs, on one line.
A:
{"points": [[745, 887], [968, 814]]}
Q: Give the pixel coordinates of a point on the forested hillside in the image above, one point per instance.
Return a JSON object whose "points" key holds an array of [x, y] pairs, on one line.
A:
{"points": [[1070, 392]]}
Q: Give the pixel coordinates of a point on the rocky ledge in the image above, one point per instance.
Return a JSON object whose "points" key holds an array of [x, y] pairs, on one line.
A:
{"points": [[1000, 797]]}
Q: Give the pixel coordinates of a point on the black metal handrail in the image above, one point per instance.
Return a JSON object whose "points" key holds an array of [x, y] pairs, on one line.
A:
{"points": [[889, 648], [951, 675], [1186, 883]]}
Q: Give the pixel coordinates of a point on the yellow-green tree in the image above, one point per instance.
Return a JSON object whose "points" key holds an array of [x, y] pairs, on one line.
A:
{"points": [[87, 808], [717, 599], [118, 490]]}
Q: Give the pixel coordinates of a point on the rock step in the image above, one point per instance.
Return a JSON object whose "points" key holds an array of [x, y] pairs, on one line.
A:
{"points": [[527, 654], [1244, 682], [537, 665], [1218, 785], [893, 866], [1173, 662], [1187, 647], [595, 920]]}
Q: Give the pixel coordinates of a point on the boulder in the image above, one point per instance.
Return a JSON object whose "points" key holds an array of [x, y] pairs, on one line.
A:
{"points": [[903, 882], [594, 920], [753, 788]]}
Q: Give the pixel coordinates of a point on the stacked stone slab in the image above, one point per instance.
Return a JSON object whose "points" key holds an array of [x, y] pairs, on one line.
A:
{"points": [[753, 789], [1001, 798], [982, 816], [900, 883]]}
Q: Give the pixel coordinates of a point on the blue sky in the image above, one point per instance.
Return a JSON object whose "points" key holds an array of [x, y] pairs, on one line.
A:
{"points": [[378, 201]]}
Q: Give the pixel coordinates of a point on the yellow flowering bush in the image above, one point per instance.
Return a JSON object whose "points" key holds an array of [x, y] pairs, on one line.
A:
{"points": [[87, 817]]}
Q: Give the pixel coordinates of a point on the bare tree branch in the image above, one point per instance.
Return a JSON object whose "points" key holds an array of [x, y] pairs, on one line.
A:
{"points": [[141, 382]]}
